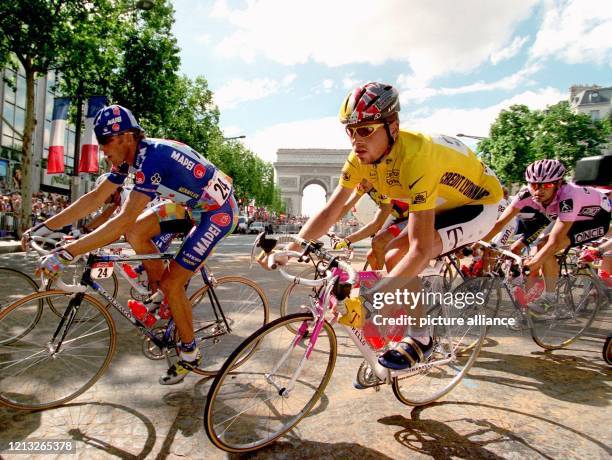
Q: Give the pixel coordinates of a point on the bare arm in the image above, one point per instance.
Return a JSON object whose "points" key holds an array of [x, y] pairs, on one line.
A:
{"points": [[421, 237], [82, 207], [373, 226], [318, 225], [502, 221], [353, 199], [114, 228], [101, 218], [557, 240]]}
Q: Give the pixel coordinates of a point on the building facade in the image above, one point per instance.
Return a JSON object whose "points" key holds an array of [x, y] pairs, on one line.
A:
{"points": [[12, 123], [594, 101]]}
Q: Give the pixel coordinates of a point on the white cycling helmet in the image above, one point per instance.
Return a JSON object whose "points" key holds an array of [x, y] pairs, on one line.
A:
{"points": [[542, 171]]}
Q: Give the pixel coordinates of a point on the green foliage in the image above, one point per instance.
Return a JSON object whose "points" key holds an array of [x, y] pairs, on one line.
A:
{"points": [[520, 136]]}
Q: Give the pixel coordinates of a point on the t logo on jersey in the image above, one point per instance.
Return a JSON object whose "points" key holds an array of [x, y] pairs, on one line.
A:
{"points": [[199, 171]]}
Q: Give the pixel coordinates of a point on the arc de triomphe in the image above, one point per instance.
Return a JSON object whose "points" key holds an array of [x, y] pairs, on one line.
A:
{"points": [[297, 168]]}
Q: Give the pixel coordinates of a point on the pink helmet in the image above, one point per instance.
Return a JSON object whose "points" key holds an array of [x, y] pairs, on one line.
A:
{"points": [[545, 171]]}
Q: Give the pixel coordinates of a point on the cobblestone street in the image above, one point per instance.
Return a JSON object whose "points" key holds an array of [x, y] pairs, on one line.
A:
{"points": [[517, 402]]}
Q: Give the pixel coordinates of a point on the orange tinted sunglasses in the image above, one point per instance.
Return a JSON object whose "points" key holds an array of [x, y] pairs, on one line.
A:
{"points": [[363, 131]]}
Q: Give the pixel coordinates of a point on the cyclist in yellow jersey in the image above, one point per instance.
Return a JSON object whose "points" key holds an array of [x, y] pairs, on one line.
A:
{"points": [[453, 199]]}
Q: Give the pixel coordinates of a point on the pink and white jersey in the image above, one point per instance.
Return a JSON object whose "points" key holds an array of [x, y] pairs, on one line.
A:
{"points": [[571, 204]]}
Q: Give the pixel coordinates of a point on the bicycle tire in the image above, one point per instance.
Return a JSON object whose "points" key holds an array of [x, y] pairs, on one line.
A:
{"points": [[578, 299], [245, 306], [31, 377], [226, 406], [416, 390], [607, 350], [15, 285], [74, 277], [296, 295]]}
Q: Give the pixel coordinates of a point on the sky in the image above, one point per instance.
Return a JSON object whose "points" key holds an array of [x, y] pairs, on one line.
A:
{"points": [[280, 69]]}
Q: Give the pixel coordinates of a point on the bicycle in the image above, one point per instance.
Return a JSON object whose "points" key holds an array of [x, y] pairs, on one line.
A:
{"points": [[53, 360], [579, 295], [250, 407]]}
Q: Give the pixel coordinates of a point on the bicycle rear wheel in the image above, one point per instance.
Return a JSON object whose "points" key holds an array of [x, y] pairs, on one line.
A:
{"points": [[245, 308], [251, 407], [577, 301], [460, 343], [33, 373]]}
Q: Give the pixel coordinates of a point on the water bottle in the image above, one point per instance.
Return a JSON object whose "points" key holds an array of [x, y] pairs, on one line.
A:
{"points": [[129, 271], [139, 310]]}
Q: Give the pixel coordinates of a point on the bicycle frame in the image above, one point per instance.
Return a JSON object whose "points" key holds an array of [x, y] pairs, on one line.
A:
{"points": [[87, 281]]}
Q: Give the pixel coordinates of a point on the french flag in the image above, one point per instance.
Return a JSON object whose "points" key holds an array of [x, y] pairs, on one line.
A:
{"points": [[55, 161], [89, 145]]}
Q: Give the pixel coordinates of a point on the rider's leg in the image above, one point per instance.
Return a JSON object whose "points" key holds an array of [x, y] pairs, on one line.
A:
{"points": [[379, 242], [173, 285], [140, 238]]}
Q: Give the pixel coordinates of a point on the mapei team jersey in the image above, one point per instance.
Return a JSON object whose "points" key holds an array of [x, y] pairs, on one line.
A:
{"points": [[174, 171], [437, 172]]}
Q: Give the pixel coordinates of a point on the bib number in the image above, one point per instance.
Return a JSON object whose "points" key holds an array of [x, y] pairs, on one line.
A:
{"points": [[219, 187], [101, 270]]}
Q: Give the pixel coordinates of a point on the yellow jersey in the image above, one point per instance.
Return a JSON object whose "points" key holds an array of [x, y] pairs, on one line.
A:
{"points": [[427, 172]]}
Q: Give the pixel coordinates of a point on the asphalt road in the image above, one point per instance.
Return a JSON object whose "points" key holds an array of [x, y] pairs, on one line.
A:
{"points": [[517, 402]]}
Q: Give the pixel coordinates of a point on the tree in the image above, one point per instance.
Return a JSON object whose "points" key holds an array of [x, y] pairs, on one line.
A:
{"points": [[520, 136], [508, 148], [44, 35], [567, 136]]}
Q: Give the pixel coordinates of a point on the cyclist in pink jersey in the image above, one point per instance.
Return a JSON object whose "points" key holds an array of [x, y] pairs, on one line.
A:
{"points": [[578, 214]]}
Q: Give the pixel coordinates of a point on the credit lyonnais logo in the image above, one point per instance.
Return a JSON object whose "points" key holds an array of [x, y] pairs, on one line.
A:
{"points": [[463, 185]]}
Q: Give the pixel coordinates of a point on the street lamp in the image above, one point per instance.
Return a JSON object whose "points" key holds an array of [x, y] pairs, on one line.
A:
{"points": [[234, 137], [478, 138]]}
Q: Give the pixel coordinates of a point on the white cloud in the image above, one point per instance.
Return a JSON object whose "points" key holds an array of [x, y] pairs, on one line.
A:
{"points": [[478, 120], [509, 51], [328, 83], [204, 39], [238, 90], [576, 31], [324, 133], [434, 38], [411, 88]]}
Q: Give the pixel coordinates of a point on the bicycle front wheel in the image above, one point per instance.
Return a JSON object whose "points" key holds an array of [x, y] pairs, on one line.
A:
{"points": [[14, 285], [297, 295], [272, 391], [577, 301], [51, 365], [456, 347], [244, 308]]}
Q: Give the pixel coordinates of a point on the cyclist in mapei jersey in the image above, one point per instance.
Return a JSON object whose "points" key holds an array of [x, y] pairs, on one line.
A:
{"points": [[453, 198], [172, 171]]}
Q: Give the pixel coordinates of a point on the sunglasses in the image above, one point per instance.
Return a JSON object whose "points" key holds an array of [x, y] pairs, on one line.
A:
{"points": [[103, 140], [537, 186], [363, 131]]}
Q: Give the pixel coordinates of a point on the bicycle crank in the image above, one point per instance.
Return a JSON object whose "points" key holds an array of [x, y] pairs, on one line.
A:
{"points": [[149, 349], [366, 377]]}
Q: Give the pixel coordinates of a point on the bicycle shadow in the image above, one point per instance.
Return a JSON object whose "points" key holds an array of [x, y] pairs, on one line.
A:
{"points": [[560, 376], [94, 426], [298, 448], [441, 441]]}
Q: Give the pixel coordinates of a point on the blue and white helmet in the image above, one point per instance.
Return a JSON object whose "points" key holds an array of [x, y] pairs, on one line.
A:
{"points": [[114, 120]]}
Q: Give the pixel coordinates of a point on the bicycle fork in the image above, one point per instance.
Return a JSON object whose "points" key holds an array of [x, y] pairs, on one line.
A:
{"points": [[284, 391]]}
